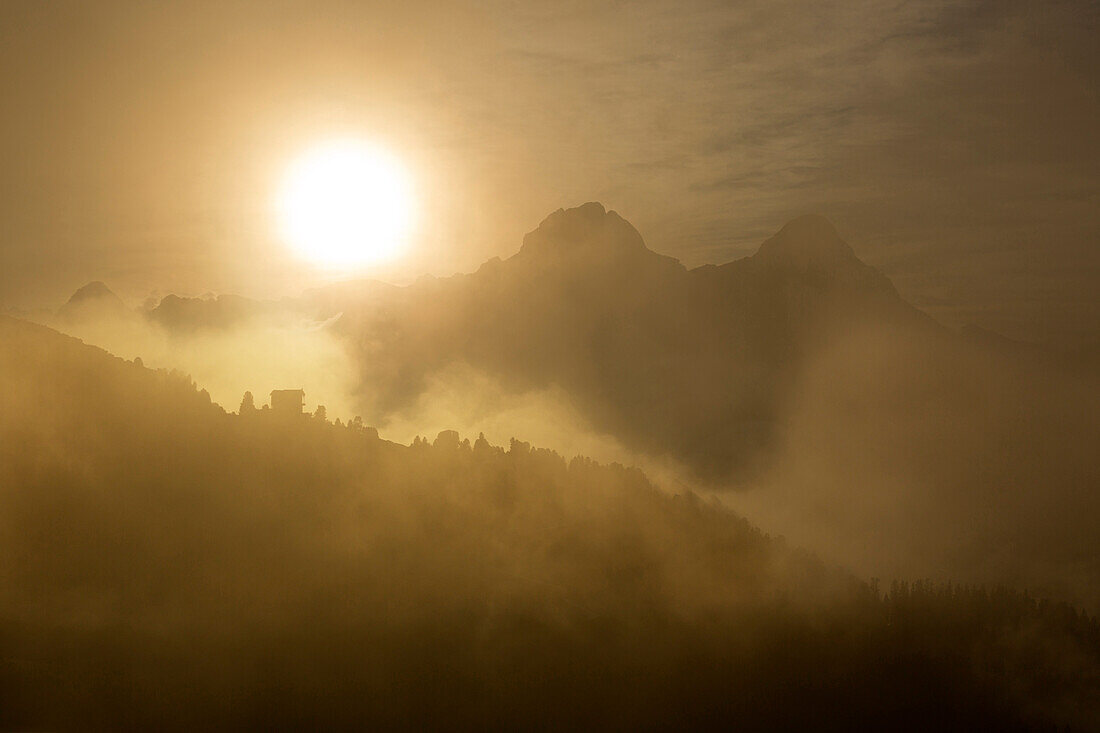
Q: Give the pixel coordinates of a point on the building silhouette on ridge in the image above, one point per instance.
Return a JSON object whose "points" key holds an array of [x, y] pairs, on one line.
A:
{"points": [[288, 401]]}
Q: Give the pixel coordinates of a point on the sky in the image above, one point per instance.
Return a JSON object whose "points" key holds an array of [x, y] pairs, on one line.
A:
{"points": [[953, 144]]}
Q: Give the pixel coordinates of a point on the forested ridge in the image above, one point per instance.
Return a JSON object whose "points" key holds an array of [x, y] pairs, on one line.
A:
{"points": [[164, 563]]}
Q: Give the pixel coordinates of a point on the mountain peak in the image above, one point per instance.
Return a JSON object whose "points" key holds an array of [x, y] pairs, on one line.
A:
{"points": [[585, 229], [590, 238], [93, 297], [94, 290], [809, 241]]}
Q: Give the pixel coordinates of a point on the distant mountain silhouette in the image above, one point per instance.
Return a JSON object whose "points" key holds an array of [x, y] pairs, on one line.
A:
{"points": [[686, 363], [689, 364], [809, 242], [94, 300], [94, 290], [193, 314], [175, 313], [588, 237]]}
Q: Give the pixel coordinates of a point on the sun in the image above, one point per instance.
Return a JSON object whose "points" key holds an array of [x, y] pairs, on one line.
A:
{"points": [[346, 203]]}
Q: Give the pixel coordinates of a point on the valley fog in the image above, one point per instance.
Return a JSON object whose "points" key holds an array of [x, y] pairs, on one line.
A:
{"points": [[823, 407]]}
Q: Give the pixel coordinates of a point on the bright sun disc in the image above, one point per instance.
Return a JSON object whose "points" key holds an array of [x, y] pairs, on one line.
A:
{"points": [[346, 203]]}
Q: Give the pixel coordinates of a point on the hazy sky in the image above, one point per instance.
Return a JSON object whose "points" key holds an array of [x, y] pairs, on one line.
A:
{"points": [[954, 144]]}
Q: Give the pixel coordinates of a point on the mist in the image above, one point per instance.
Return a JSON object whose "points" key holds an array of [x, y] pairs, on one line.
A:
{"points": [[795, 386], [257, 352], [939, 457], [166, 562], [541, 365]]}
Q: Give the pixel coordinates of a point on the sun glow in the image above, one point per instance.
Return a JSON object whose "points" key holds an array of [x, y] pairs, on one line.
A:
{"points": [[346, 203]]}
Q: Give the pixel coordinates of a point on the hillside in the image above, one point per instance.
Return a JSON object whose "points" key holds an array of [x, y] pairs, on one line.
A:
{"points": [[165, 563]]}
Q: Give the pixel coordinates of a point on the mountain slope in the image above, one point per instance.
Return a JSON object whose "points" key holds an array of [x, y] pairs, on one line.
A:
{"points": [[163, 563]]}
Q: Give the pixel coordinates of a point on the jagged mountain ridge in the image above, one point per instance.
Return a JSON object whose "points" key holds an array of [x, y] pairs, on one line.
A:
{"points": [[692, 365]]}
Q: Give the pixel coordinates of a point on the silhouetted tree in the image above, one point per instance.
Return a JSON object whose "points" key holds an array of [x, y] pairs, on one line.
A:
{"points": [[248, 404]]}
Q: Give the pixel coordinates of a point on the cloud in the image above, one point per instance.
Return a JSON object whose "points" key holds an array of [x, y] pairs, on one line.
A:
{"points": [[951, 142]]}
